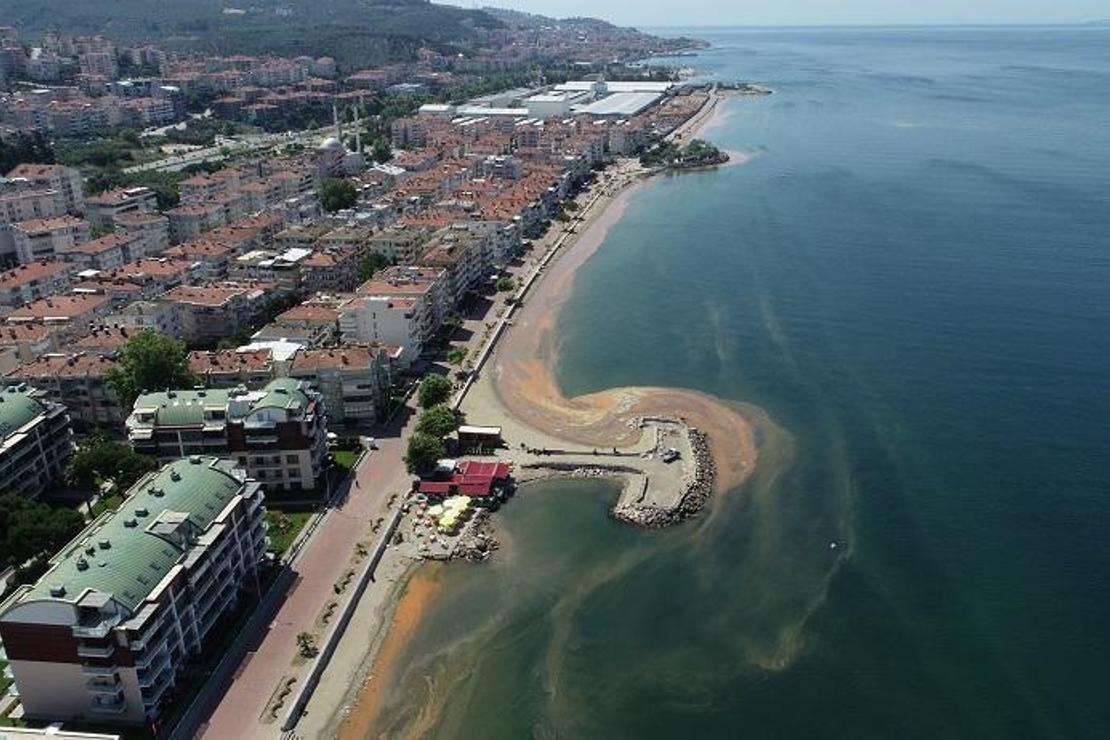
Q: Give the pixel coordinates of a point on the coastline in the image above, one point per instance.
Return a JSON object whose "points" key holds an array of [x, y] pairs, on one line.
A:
{"points": [[517, 390]]}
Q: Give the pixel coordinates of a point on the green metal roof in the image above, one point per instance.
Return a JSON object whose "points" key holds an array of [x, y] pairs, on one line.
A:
{"points": [[16, 409], [283, 393], [136, 560], [186, 408]]}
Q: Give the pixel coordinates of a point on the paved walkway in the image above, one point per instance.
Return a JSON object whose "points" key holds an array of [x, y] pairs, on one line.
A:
{"points": [[323, 562]]}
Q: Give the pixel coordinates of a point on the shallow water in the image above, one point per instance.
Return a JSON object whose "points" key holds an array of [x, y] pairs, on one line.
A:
{"points": [[910, 278]]}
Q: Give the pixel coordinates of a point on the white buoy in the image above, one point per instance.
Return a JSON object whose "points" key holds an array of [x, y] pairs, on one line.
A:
{"points": [[832, 545]]}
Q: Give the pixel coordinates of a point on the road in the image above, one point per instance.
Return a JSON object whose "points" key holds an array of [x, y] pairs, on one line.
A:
{"points": [[236, 712], [229, 146]]}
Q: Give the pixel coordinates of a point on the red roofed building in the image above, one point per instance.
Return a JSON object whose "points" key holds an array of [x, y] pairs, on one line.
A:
{"points": [[482, 479]]}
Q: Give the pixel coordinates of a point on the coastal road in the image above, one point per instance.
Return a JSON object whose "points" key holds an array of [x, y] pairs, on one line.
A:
{"points": [[325, 558]]}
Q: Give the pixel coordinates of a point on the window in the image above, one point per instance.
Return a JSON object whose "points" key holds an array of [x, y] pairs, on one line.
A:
{"points": [[292, 459]]}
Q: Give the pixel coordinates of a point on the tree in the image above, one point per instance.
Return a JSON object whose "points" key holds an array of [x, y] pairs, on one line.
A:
{"points": [[423, 452], [149, 361], [100, 459], [456, 355], [369, 263], [382, 151], [505, 284], [434, 390], [337, 194], [438, 421], [29, 530]]}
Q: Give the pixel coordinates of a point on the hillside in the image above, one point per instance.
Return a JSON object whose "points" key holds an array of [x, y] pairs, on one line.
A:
{"points": [[354, 31]]}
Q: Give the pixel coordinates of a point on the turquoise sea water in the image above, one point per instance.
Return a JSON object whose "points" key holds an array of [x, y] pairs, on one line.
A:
{"points": [[911, 277]]}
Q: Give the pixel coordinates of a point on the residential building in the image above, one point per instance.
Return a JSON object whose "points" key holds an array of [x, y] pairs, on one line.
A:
{"points": [[29, 341], [46, 238], [152, 230], [400, 306], [71, 313], [104, 207], [353, 380], [35, 442], [66, 181], [277, 433], [159, 316], [228, 368], [207, 314], [212, 257], [465, 255], [104, 635], [76, 381], [30, 282]]}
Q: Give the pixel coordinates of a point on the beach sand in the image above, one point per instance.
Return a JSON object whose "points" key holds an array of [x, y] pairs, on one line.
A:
{"points": [[517, 389]]}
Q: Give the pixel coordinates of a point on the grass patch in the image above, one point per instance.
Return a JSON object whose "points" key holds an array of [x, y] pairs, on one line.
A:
{"points": [[107, 503], [345, 459], [284, 528]]}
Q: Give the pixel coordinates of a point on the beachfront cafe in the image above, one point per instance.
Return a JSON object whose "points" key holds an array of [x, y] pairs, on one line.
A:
{"points": [[484, 481]]}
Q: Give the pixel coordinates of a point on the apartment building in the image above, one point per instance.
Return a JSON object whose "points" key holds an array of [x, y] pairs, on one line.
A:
{"points": [[35, 441], [159, 316], [212, 256], [72, 314], [152, 230], [104, 207], [465, 256], [76, 381], [30, 282], [103, 636], [66, 181], [276, 433], [46, 238], [207, 314], [104, 253], [401, 306], [29, 341], [228, 368], [353, 380], [191, 220], [399, 243]]}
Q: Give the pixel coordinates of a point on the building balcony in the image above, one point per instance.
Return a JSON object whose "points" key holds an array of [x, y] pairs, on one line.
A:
{"points": [[100, 670], [116, 706], [103, 685], [95, 651], [99, 630]]}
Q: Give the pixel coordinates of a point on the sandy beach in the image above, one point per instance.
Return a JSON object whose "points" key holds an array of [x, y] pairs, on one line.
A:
{"points": [[517, 389]]}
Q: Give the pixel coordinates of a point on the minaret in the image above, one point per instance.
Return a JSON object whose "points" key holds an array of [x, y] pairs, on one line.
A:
{"points": [[335, 118], [358, 133]]}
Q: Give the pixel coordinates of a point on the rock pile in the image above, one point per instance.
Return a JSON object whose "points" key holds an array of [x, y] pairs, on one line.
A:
{"points": [[477, 543]]}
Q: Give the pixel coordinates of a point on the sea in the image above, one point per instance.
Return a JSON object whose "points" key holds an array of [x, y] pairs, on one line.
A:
{"points": [[908, 281]]}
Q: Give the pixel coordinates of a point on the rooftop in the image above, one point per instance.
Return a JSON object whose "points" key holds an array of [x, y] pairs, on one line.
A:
{"points": [[122, 554]]}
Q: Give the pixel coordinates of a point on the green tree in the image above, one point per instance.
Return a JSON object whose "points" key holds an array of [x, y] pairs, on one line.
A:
{"points": [[434, 390], [306, 644], [369, 263], [423, 452], [382, 150], [505, 284], [337, 194], [30, 530], [149, 361], [438, 421], [100, 459]]}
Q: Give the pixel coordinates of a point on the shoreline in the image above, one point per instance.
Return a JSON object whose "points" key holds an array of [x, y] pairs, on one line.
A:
{"points": [[517, 389]]}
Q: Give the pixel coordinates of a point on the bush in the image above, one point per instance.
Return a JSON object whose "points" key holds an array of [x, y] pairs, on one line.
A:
{"points": [[434, 390]]}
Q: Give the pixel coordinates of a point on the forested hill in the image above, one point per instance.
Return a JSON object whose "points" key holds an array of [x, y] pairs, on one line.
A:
{"points": [[364, 30]]}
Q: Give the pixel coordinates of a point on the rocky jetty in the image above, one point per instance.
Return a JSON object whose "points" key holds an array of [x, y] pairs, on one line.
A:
{"points": [[696, 490], [477, 543]]}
